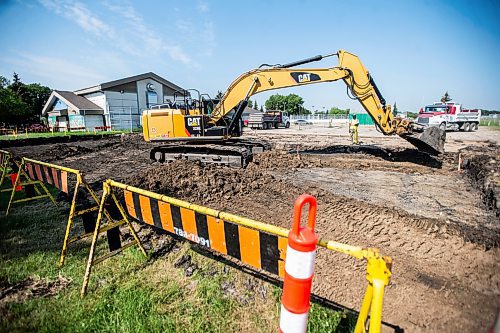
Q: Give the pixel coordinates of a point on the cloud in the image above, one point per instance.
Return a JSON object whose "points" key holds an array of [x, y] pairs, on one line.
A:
{"points": [[55, 71], [131, 34], [185, 26], [203, 7], [150, 39], [81, 15], [209, 37]]}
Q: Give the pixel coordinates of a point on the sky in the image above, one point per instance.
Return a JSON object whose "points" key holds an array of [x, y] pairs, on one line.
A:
{"points": [[415, 50]]}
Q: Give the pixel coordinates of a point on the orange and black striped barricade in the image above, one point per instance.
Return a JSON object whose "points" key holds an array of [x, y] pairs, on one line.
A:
{"points": [[22, 180], [44, 174], [259, 245], [5, 160]]}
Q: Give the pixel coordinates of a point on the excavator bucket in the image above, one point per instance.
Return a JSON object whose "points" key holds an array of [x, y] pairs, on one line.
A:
{"points": [[431, 140]]}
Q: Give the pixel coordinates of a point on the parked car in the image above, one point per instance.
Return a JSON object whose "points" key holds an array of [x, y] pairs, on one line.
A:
{"points": [[302, 122]]}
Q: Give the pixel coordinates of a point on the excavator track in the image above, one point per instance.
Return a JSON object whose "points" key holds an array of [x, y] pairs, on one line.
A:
{"points": [[233, 153]]}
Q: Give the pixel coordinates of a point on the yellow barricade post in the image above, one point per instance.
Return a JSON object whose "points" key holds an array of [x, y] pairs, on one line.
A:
{"points": [[257, 244], [378, 275], [98, 230]]}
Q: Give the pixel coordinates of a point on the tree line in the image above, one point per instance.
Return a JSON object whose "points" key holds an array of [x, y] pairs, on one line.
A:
{"points": [[21, 103]]}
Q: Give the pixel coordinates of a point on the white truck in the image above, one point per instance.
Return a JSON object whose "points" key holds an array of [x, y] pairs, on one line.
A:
{"points": [[449, 116], [270, 119]]}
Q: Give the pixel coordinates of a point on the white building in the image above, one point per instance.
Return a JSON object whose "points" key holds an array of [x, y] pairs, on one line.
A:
{"points": [[116, 104]]}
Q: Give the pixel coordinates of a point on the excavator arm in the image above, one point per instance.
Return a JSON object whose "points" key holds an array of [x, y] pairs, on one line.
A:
{"points": [[360, 86]]}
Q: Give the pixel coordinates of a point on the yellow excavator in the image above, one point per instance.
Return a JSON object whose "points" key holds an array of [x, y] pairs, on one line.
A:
{"points": [[208, 129]]}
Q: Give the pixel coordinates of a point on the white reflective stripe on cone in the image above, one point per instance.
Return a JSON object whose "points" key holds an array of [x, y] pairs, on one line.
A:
{"points": [[298, 264], [292, 322]]}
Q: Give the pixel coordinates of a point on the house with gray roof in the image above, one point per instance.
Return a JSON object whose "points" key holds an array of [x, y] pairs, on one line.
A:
{"points": [[116, 105]]}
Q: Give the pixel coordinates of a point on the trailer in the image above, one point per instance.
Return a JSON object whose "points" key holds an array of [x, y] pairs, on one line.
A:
{"points": [[268, 120], [449, 116]]}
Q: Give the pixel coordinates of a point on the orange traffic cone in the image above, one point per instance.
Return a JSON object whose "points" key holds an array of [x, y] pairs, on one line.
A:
{"points": [[299, 269]]}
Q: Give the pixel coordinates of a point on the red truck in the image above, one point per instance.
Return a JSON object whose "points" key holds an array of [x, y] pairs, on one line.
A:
{"points": [[449, 116]]}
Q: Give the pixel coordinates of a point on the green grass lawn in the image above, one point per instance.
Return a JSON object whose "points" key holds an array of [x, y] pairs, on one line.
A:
{"points": [[127, 293]]}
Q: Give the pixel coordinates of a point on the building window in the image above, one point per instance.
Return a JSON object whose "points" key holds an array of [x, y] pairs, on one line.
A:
{"points": [[151, 98]]}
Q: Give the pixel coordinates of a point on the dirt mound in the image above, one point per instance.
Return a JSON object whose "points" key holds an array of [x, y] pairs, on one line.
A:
{"points": [[31, 288], [62, 151], [482, 165], [205, 183]]}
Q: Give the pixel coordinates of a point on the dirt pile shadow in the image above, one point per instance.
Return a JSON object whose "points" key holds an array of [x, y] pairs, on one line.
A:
{"points": [[482, 165], [388, 154], [53, 140]]}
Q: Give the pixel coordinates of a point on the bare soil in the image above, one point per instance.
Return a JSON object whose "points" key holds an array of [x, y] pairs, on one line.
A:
{"points": [[30, 288], [439, 225]]}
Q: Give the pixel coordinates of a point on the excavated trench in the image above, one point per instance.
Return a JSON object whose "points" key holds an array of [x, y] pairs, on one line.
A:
{"points": [[482, 166]]}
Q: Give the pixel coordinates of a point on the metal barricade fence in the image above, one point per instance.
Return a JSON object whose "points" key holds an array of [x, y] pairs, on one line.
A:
{"points": [[42, 174], [259, 245]]}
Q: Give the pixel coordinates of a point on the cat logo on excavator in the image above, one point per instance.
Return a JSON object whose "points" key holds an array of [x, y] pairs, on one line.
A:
{"points": [[193, 122], [304, 77]]}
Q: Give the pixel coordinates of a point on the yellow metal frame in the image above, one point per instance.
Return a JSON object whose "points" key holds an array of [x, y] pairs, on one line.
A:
{"points": [[107, 191], [4, 166], [378, 275], [378, 270], [80, 181], [28, 181]]}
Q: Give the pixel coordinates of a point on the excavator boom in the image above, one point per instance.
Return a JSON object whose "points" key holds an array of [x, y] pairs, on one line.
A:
{"points": [[198, 124], [360, 85]]}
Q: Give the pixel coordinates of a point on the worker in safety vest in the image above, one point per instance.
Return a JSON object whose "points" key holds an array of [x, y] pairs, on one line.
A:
{"points": [[353, 129]]}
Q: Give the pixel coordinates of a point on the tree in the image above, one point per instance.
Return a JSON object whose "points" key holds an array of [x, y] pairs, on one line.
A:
{"points": [[12, 109], [4, 82], [261, 109], [446, 98], [336, 110], [275, 102], [16, 83], [21, 103], [255, 107], [291, 103], [250, 104], [395, 110], [35, 96], [412, 115]]}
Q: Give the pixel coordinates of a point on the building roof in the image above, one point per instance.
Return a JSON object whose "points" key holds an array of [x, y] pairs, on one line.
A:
{"points": [[72, 100], [110, 84]]}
